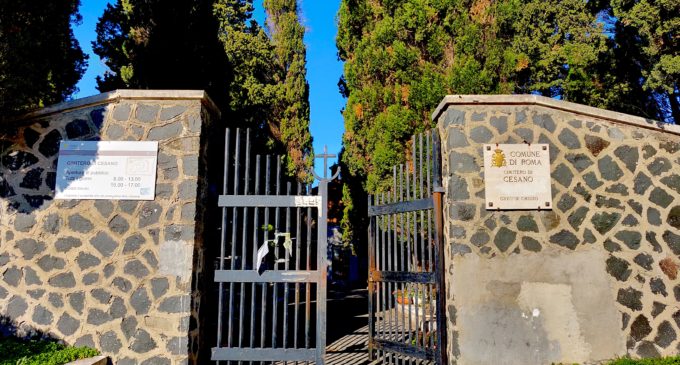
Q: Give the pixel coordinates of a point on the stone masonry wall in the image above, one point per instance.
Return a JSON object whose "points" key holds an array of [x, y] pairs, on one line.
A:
{"points": [[114, 275], [592, 279]]}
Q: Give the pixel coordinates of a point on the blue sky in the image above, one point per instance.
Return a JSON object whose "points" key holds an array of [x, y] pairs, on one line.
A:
{"points": [[323, 67]]}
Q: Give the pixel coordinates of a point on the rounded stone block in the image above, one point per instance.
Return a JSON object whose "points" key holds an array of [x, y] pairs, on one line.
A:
{"points": [[140, 301], [97, 317], [48, 263], [640, 328], [531, 244], [78, 223], [147, 113], [56, 300], [121, 112], [77, 129], [142, 342], [119, 225], [104, 244], [29, 247], [16, 307], [618, 268], [65, 244], [566, 239], [168, 113], [175, 304], [64, 280], [504, 238], [156, 360], [122, 284], [609, 170], [673, 218], [109, 342], [665, 335], [24, 222], [77, 301], [168, 131], [136, 269], [630, 298], [12, 276], [569, 139], [67, 325], [481, 134], [42, 316]]}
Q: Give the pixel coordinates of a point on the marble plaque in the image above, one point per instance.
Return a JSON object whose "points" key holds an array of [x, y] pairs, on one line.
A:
{"points": [[115, 170], [517, 176]]}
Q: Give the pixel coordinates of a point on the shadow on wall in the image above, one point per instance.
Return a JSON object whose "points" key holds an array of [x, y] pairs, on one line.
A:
{"points": [[10, 328], [29, 154]]}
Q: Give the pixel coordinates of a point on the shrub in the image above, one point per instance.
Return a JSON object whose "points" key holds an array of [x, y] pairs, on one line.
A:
{"points": [[664, 361], [39, 352]]}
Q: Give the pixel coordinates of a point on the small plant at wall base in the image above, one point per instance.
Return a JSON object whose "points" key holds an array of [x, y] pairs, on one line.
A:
{"points": [[664, 361], [626, 361], [39, 352]]}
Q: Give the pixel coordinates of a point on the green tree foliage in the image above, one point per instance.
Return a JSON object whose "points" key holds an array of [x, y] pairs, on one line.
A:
{"points": [[250, 54], [257, 79], [269, 89], [402, 57], [654, 27], [557, 46], [40, 59], [161, 45], [291, 107]]}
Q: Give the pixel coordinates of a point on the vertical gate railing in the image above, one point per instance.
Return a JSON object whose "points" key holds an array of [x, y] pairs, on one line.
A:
{"points": [[407, 321], [271, 305]]}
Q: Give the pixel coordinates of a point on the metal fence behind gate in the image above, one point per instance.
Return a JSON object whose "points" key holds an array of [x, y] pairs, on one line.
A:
{"points": [[271, 307], [406, 285]]}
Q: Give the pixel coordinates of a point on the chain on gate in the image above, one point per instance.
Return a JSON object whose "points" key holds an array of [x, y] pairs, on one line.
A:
{"points": [[271, 270], [406, 283]]}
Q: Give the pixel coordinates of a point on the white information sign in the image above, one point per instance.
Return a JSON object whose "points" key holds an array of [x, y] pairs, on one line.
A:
{"points": [[118, 170], [517, 176]]}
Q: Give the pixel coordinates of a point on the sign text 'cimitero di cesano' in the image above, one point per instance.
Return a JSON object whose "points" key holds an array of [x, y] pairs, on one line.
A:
{"points": [[115, 170], [517, 176]]}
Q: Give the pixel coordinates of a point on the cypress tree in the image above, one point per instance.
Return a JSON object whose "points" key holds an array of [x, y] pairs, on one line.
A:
{"points": [[268, 89], [651, 28], [398, 64], [250, 55], [291, 108], [402, 57], [161, 45], [40, 59], [257, 80]]}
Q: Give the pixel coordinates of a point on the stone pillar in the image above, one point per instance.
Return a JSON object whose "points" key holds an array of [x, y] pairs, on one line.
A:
{"points": [[592, 279], [114, 275]]}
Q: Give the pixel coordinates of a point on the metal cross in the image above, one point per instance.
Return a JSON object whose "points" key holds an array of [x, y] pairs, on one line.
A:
{"points": [[325, 155]]}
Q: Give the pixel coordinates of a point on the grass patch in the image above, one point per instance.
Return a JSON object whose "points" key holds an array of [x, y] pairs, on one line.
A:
{"points": [[675, 360], [38, 352], [665, 361]]}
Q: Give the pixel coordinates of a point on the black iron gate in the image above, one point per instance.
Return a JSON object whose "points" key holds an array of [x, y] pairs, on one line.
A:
{"points": [[406, 283], [271, 270]]}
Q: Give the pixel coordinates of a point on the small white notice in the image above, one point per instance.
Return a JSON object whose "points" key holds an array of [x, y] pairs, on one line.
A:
{"points": [[118, 170], [517, 176]]}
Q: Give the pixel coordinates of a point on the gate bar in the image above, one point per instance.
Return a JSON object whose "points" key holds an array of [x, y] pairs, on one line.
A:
{"points": [[263, 354], [225, 177], [272, 201], [439, 253], [371, 283], [322, 252], [269, 276], [404, 277]]}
